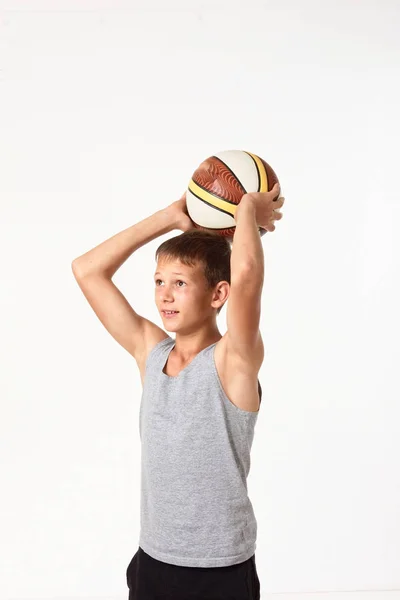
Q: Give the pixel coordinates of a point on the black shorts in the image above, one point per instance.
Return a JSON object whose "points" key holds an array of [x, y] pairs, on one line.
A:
{"points": [[151, 579]]}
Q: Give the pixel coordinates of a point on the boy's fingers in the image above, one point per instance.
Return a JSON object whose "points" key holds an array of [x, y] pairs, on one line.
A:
{"points": [[276, 190]]}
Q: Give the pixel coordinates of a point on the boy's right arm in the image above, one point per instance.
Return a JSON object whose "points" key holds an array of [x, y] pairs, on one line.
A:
{"points": [[94, 270]]}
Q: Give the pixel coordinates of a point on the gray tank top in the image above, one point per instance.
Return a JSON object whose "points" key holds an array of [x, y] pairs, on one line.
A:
{"points": [[195, 459]]}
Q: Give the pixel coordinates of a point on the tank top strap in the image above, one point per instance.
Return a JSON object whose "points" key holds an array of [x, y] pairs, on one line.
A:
{"points": [[158, 353]]}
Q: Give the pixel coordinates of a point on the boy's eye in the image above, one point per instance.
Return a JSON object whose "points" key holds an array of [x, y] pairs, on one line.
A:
{"points": [[178, 281]]}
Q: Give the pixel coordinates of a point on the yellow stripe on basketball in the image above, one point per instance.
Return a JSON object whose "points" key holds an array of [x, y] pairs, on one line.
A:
{"points": [[211, 199], [261, 172]]}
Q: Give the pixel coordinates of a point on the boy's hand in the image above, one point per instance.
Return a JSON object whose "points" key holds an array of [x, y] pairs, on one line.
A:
{"points": [[266, 205], [179, 214]]}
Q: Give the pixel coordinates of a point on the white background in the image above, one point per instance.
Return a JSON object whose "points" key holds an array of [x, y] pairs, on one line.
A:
{"points": [[106, 109]]}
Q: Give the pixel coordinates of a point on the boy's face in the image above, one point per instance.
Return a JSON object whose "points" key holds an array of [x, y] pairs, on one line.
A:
{"points": [[181, 288]]}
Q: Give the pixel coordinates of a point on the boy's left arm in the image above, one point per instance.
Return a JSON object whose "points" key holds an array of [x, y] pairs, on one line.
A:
{"points": [[247, 274], [247, 278]]}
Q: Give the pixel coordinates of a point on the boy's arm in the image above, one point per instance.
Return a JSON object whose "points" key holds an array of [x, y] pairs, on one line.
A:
{"points": [[94, 270], [247, 278], [106, 258]]}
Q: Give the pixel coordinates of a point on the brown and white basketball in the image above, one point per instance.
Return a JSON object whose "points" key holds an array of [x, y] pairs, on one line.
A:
{"points": [[218, 185]]}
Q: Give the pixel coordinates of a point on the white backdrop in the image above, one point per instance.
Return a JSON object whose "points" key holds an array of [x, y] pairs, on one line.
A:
{"points": [[106, 109]]}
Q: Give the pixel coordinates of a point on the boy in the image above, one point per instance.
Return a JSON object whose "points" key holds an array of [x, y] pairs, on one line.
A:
{"points": [[200, 400]]}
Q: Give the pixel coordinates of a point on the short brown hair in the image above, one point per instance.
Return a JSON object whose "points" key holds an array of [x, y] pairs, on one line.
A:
{"points": [[199, 246]]}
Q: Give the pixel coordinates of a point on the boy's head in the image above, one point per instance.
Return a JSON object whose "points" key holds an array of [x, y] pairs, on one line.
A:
{"points": [[204, 258]]}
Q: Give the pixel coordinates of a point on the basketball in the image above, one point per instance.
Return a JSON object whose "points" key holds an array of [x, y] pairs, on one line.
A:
{"points": [[218, 184]]}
